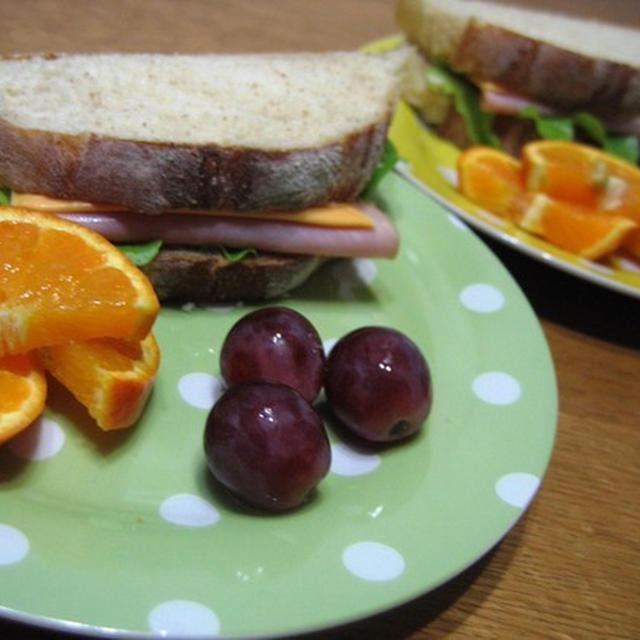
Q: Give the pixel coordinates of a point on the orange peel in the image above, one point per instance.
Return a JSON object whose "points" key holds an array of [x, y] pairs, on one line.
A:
{"points": [[112, 378], [61, 281], [23, 390]]}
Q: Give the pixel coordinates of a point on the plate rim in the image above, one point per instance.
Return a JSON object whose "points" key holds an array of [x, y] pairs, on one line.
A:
{"points": [[553, 256], [80, 628]]}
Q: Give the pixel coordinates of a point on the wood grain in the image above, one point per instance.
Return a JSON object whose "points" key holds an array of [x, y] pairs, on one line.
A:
{"points": [[191, 25], [570, 569]]}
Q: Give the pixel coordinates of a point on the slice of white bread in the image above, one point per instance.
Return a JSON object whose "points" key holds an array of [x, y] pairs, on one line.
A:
{"points": [[569, 55], [152, 132]]}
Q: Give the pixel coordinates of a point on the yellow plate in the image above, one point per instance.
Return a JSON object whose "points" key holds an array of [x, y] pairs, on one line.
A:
{"points": [[430, 162]]}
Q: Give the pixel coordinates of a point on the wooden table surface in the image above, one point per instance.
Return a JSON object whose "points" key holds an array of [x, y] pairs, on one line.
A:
{"points": [[570, 569]]}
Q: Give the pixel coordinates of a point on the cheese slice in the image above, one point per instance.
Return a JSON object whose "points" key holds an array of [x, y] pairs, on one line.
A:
{"points": [[336, 215]]}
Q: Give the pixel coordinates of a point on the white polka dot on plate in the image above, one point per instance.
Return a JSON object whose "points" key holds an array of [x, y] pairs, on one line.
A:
{"points": [[413, 257], [366, 269], [329, 344], [14, 545], [220, 308], [42, 439], [482, 298], [346, 461], [373, 561], [200, 390], [183, 617], [351, 274], [517, 488], [188, 510], [496, 387]]}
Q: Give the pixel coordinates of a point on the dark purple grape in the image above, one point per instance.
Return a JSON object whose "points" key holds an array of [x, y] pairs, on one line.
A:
{"points": [[378, 384], [275, 344], [266, 444]]}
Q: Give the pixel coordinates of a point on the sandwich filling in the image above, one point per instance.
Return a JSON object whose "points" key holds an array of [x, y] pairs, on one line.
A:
{"points": [[337, 230], [489, 114], [346, 230]]}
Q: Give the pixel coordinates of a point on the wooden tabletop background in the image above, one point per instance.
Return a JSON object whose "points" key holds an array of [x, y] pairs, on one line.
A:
{"points": [[570, 569]]}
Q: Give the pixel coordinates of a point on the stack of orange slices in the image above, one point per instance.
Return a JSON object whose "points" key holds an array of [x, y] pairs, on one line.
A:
{"points": [[72, 305], [577, 197]]}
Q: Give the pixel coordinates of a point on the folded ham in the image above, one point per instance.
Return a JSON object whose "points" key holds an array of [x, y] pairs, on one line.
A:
{"points": [[379, 241], [495, 99]]}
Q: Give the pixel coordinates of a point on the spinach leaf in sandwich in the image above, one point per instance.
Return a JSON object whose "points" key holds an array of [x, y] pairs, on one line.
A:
{"points": [[564, 128], [478, 123], [236, 255], [143, 253], [549, 127], [140, 254], [387, 162], [466, 99], [625, 147]]}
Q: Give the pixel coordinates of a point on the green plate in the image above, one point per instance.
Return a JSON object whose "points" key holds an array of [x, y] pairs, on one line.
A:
{"points": [[113, 533]]}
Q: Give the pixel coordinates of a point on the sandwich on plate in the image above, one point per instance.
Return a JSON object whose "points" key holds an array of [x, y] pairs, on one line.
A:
{"points": [[230, 177], [502, 73]]}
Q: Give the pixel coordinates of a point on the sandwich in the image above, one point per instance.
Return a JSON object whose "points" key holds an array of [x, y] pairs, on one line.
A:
{"points": [[503, 73], [226, 177]]}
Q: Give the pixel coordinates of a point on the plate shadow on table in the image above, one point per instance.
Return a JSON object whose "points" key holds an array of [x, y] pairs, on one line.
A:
{"points": [[567, 300], [474, 584]]}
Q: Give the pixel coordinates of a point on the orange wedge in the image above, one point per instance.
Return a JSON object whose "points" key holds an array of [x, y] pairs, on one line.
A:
{"points": [[491, 179], [583, 231], [60, 281], [23, 390], [111, 378], [584, 175]]}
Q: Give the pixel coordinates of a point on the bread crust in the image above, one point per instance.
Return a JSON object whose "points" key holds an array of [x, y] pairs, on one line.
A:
{"points": [[479, 41], [183, 274], [543, 71], [151, 177]]}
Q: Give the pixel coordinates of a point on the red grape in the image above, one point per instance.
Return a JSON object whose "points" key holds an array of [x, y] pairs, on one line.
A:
{"points": [[378, 384], [275, 344], [267, 445]]}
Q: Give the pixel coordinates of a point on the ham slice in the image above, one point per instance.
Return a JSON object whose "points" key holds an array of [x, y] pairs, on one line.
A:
{"points": [[495, 99], [380, 241]]}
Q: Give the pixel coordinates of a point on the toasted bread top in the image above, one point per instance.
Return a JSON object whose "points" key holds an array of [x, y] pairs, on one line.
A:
{"points": [[596, 30], [563, 58], [154, 132], [266, 101]]}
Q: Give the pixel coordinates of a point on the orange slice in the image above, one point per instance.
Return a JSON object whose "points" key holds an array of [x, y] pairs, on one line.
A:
{"points": [[491, 179], [584, 175], [60, 281], [111, 378], [580, 230], [23, 390]]}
